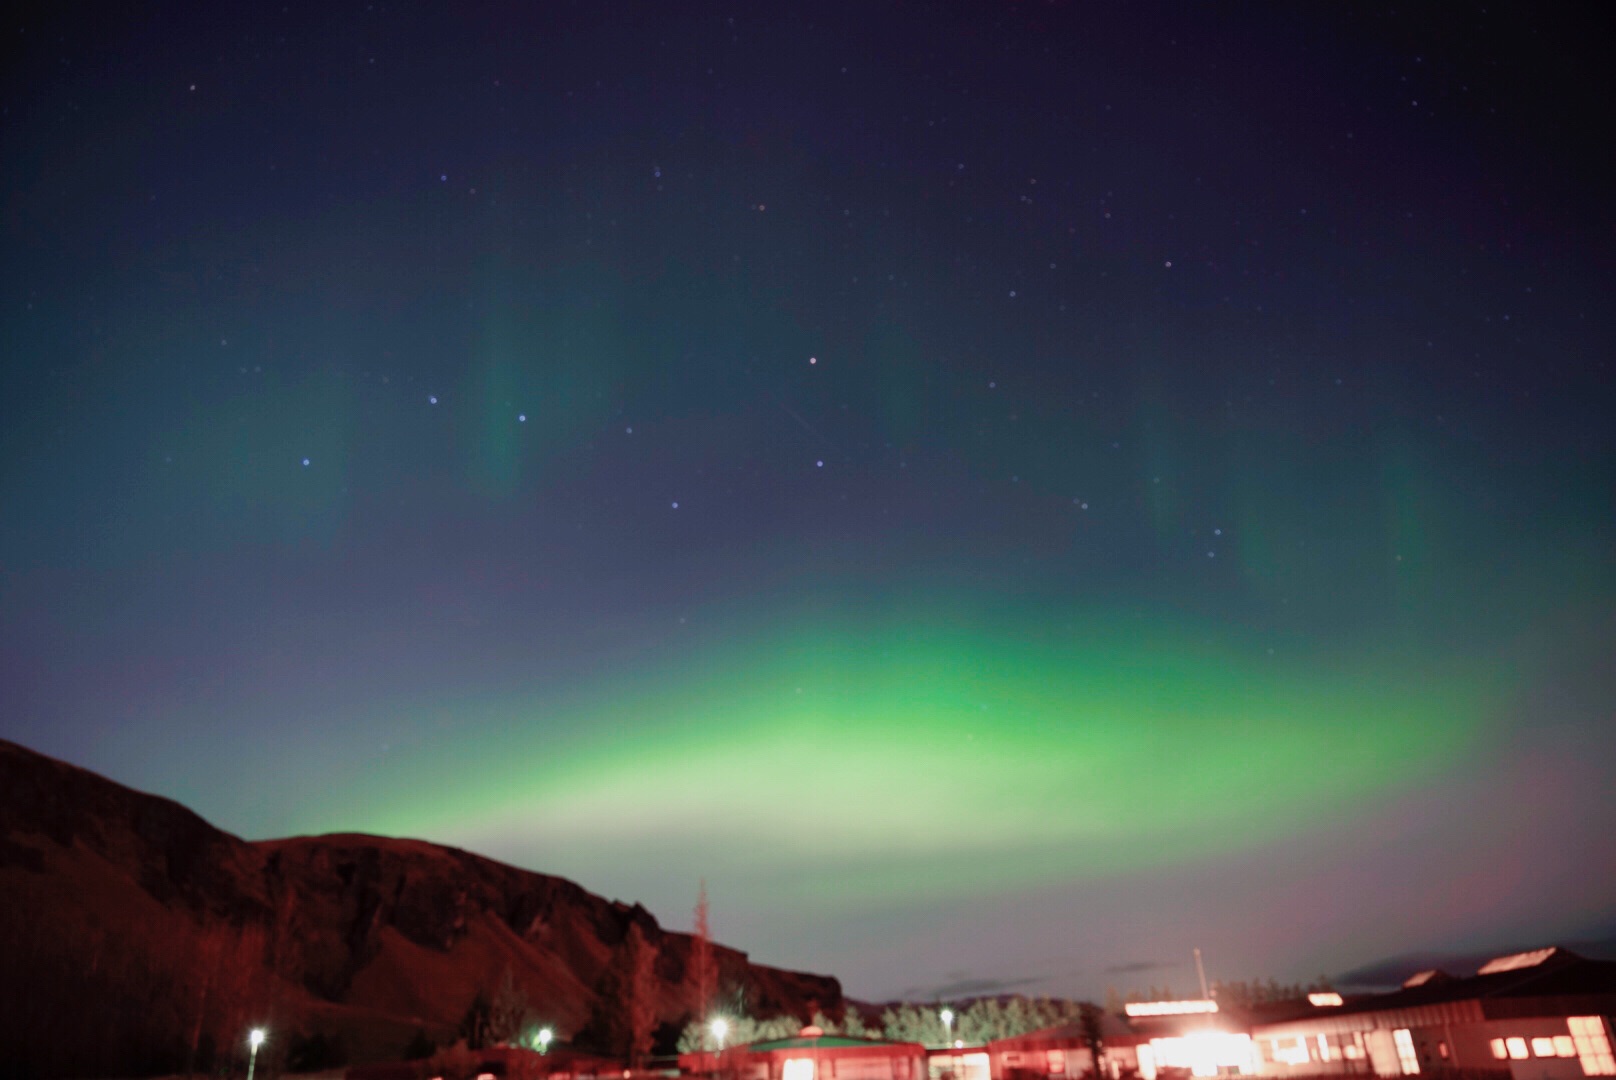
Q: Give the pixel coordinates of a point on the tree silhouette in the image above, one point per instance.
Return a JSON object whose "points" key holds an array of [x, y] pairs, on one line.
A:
{"points": [[508, 1013], [703, 972], [476, 1026], [420, 1046], [639, 1005], [1090, 1024], [626, 1008]]}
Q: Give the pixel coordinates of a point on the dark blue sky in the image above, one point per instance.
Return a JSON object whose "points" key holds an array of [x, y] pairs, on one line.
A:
{"points": [[944, 473]]}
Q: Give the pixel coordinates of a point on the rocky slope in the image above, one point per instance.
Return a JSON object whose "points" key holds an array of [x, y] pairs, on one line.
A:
{"points": [[137, 938]]}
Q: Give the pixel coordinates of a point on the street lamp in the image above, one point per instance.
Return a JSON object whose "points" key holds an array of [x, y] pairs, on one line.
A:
{"points": [[545, 1035], [719, 1028], [947, 1017], [255, 1039]]}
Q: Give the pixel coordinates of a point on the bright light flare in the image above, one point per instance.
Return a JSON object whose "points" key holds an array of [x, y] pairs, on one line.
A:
{"points": [[1205, 1053]]}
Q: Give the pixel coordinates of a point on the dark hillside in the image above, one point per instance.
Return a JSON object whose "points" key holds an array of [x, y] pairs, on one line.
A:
{"points": [[176, 936]]}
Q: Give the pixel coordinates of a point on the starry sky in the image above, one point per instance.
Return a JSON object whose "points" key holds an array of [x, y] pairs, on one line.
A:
{"points": [[1006, 493]]}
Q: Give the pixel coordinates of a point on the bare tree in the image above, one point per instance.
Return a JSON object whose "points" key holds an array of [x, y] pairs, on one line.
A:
{"points": [[508, 1013], [702, 969]]}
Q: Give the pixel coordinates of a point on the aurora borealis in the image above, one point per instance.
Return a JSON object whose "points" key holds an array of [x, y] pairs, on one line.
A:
{"points": [[1006, 494]]}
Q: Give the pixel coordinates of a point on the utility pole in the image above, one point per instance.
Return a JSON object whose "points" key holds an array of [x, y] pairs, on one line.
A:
{"points": [[1201, 971]]}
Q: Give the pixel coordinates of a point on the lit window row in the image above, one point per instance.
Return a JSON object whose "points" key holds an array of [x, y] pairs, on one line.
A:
{"points": [[1297, 1049], [1543, 1046], [1593, 1045], [1588, 1042]]}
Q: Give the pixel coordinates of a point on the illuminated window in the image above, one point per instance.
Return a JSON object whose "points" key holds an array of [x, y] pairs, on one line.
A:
{"points": [[1442, 1050], [1292, 1050], [1517, 1047], [1543, 1046], [1564, 1047], [798, 1069], [1499, 1050], [1593, 1045], [1406, 1057], [1324, 1047]]}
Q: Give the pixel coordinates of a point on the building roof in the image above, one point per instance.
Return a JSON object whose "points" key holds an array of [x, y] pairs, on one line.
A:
{"points": [[1520, 985], [823, 1042], [1420, 978]]}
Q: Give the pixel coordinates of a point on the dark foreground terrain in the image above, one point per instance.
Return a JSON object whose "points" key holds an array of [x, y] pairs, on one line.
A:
{"points": [[135, 938]]}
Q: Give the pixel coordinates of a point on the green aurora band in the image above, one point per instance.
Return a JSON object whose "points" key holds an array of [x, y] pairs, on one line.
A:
{"points": [[866, 764]]}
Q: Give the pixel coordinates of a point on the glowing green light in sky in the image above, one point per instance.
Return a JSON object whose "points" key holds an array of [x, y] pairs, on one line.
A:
{"points": [[881, 758]]}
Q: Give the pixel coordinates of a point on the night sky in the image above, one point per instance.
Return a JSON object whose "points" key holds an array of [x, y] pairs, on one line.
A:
{"points": [[1005, 493]]}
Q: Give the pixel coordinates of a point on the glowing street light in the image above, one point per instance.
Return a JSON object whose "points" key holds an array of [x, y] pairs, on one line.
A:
{"points": [[255, 1039], [545, 1035], [719, 1028], [947, 1017]]}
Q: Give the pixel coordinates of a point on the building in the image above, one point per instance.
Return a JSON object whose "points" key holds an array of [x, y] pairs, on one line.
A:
{"points": [[812, 1055], [496, 1063], [1539, 1015], [1198, 1037], [1063, 1052]]}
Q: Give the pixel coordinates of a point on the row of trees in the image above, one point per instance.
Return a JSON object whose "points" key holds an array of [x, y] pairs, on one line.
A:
{"points": [[980, 1021], [698, 1034], [1257, 991], [977, 1022]]}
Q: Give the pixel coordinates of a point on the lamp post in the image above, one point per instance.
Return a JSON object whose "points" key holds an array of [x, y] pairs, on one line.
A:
{"points": [[255, 1039], [719, 1028], [545, 1035], [947, 1017]]}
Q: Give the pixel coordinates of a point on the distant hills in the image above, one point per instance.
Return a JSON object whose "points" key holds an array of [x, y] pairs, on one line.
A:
{"points": [[136, 938]]}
